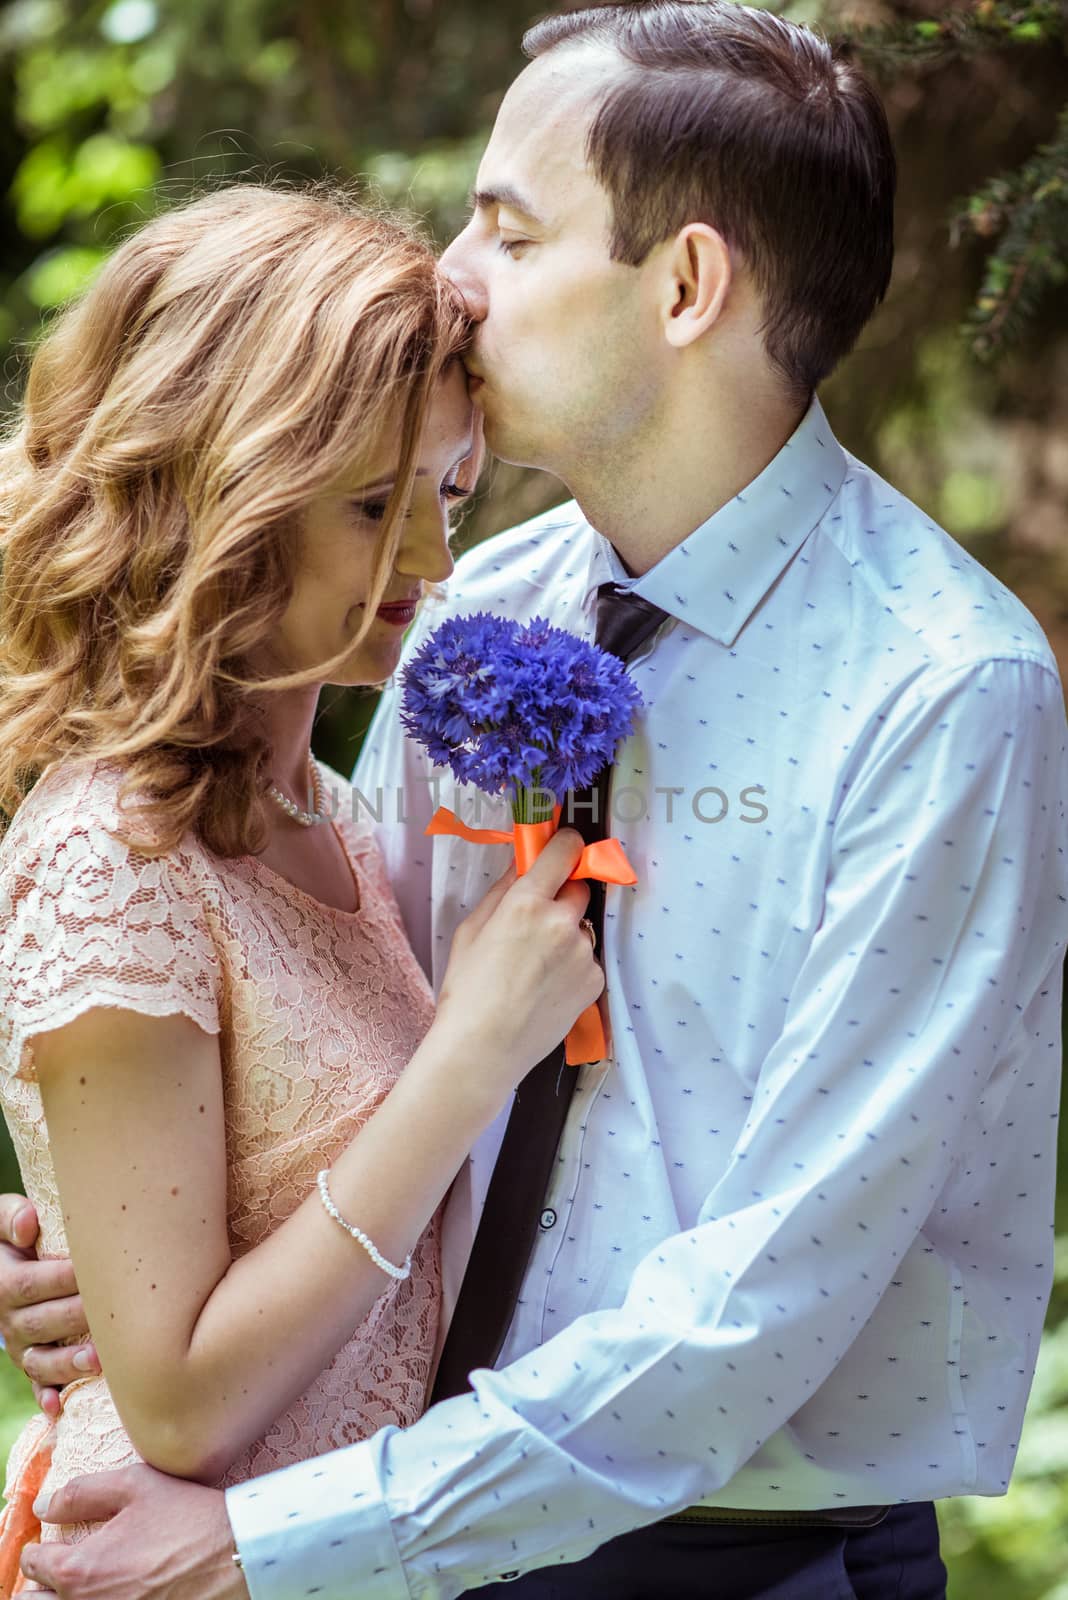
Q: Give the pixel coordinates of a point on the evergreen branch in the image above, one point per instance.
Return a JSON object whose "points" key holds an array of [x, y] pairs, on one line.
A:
{"points": [[984, 25], [1029, 209], [1025, 210]]}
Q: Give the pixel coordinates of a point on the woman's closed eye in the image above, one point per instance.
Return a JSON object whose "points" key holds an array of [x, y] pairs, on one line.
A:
{"points": [[375, 510], [369, 510]]}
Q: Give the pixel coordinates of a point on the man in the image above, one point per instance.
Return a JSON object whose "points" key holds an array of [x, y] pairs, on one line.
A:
{"points": [[794, 1254]]}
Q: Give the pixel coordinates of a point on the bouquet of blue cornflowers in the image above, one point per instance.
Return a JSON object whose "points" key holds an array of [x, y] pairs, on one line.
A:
{"points": [[530, 711], [522, 709]]}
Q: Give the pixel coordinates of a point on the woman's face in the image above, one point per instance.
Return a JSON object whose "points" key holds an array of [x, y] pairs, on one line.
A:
{"points": [[340, 532]]}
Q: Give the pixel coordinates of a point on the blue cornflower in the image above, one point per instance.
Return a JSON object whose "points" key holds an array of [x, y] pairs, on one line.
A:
{"points": [[513, 707]]}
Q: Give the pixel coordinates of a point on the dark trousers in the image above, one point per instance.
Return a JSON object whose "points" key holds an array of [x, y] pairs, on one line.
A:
{"points": [[897, 1559]]}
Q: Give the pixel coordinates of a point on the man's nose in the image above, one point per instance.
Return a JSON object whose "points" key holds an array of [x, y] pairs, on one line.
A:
{"points": [[458, 265]]}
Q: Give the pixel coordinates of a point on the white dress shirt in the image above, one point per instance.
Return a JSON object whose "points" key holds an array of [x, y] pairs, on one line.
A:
{"points": [[798, 1244]]}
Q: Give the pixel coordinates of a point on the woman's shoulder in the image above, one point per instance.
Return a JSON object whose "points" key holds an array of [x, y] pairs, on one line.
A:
{"points": [[73, 817], [73, 804], [66, 791], [86, 920]]}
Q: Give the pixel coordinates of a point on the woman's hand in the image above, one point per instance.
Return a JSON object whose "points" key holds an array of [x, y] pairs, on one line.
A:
{"points": [[521, 969]]}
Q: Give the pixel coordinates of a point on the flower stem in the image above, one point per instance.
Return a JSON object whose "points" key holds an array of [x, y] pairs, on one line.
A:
{"points": [[532, 805]]}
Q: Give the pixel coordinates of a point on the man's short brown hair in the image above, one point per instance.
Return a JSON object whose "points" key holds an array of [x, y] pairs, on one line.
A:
{"points": [[734, 117]]}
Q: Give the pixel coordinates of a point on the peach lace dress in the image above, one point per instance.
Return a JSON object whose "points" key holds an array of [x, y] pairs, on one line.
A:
{"points": [[317, 1011]]}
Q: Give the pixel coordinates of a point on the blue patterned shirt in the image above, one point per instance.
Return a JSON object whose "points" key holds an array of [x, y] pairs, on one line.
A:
{"points": [[798, 1244]]}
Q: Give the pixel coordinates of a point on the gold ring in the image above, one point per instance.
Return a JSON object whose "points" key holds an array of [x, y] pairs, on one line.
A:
{"points": [[587, 927]]}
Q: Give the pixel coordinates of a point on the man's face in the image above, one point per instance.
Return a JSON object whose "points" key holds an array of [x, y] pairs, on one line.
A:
{"points": [[565, 356]]}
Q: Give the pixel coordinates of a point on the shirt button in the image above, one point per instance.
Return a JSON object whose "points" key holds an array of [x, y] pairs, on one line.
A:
{"points": [[548, 1218], [506, 1577]]}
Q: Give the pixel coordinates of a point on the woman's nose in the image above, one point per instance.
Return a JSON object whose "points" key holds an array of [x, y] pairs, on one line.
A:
{"points": [[425, 554]]}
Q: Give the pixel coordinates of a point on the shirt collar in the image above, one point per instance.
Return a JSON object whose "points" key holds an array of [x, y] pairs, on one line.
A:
{"points": [[715, 579]]}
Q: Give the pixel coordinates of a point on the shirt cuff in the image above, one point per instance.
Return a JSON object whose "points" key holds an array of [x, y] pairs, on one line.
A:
{"points": [[318, 1528]]}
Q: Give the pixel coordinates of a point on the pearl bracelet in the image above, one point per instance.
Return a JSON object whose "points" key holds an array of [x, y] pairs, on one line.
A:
{"points": [[358, 1234]]}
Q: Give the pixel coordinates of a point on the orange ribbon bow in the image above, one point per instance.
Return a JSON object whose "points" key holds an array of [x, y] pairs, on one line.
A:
{"points": [[603, 860]]}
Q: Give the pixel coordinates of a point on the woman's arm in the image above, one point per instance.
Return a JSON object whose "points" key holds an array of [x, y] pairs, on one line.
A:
{"points": [[202, 1352]]}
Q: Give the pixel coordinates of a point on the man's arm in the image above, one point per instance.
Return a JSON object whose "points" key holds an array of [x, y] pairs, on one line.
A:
{"points": [[915, 985]]}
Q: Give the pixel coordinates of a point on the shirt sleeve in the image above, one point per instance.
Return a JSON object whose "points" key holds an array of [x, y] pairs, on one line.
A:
{"points": [[944, 914], [85, 921]]}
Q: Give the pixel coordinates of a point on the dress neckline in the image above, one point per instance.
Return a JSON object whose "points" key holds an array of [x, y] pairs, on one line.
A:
{"points": [[294, 890]]}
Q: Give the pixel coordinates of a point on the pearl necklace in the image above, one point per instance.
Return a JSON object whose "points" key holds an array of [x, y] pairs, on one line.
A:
{"points": [[306, 819]]}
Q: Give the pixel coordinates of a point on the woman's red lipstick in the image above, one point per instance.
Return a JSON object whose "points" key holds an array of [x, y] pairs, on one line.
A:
{"points": [[400, 613]]}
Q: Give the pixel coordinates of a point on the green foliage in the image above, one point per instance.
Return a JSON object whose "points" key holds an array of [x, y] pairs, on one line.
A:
{"points": [[971, 28], [112, 109], [1028, 211], [55, 277], [1025, 210], [108, 98], [55, 183], [16, 1405], [1014, 1545]]}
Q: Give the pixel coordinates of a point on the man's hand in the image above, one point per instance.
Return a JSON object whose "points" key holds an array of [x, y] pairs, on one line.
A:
{"points": [[164, 1539], [39, 1304]]}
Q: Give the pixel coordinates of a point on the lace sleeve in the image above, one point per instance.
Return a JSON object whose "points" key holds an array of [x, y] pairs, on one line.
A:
{"points": [[85, 922]]}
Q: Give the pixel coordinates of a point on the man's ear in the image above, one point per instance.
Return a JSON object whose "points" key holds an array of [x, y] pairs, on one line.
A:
{"points": [[698, 269]]}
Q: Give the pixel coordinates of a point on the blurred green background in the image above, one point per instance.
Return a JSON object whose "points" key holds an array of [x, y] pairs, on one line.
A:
{"points": [[958, 391]]}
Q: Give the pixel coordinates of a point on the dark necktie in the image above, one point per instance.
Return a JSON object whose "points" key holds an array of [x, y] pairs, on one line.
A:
{"points": [[513, 1210]]}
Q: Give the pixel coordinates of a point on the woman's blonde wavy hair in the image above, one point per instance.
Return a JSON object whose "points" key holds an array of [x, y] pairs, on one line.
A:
{"points": [[233, 359]]}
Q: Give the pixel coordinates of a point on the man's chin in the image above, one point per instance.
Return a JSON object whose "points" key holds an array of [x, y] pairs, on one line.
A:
{"points": [[508, 444]]}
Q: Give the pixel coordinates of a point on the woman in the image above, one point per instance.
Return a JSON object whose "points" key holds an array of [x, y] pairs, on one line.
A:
{"points": [[230, 485]]}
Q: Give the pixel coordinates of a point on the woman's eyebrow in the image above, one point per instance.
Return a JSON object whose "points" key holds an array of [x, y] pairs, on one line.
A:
{"points": [[420, 472], [504, 194], [383, 483]]}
